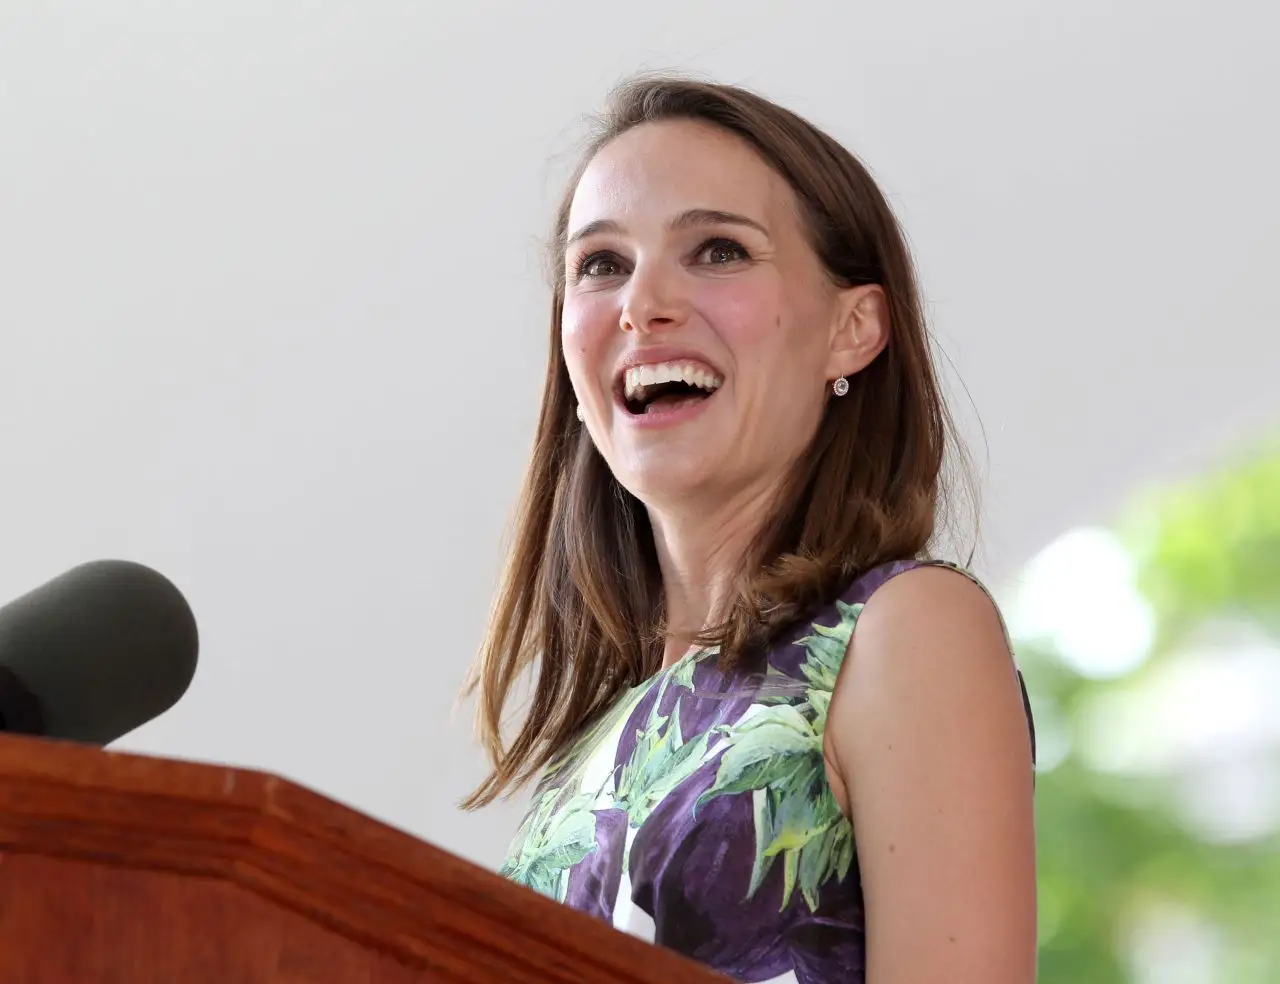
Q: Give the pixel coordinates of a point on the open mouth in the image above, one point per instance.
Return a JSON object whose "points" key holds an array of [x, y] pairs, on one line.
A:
{"points": [[666, 386]]}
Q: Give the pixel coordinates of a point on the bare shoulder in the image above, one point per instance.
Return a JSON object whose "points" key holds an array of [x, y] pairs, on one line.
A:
{"points": [[929, 754], [929, 653], [922, 606]]}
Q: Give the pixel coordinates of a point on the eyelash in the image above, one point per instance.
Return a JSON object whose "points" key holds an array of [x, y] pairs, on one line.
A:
{"points": [[585, 259]]}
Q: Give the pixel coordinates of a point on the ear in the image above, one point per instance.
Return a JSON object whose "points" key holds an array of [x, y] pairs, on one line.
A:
{"points": [[860, 330]]}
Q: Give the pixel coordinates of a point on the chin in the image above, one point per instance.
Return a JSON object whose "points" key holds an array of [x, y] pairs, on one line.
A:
{"points": [[670, 464], [657, 483]]}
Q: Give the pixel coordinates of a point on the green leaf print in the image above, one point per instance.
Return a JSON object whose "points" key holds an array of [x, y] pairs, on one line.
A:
{"points": [[820, 701], [682, 672], [825, 649], [560, 829], [662, 759], [554, 837], [775, 754], [817, 862], [772, 747]]}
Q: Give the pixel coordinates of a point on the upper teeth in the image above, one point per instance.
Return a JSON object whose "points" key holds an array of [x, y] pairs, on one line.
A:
{"points": [[638, 377]]}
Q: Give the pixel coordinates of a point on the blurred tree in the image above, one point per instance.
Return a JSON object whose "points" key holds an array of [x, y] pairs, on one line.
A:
{"points": [[1213, 546], [1120, 866]]}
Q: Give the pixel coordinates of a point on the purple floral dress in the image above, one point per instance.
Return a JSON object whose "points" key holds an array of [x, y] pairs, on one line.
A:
{"points": [[697, 814]]}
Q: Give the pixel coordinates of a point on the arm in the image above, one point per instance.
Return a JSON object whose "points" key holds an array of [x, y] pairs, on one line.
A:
{"points": [[929, 756]]}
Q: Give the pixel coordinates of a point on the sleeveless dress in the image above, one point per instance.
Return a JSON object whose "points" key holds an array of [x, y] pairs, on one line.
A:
{"points": [[697, 815]]}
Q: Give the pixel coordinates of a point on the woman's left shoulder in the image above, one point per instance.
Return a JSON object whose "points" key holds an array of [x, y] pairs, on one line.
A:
{"points": [[912, 601], [891, 598], [929, 667], [921, 577], [927, 755]]}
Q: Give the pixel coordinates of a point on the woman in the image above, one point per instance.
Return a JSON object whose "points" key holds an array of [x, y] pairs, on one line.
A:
{"points": [[738, 463]]}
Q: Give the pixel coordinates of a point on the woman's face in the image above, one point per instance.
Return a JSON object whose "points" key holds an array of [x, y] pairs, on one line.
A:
{"points": [[700, 330]]}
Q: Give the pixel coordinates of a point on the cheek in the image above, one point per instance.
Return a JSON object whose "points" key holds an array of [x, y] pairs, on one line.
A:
{"points": [[777, 338], [749, 317], [587, 325]]}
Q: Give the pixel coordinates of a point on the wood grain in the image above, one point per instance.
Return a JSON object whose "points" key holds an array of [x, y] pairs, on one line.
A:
{"points": [[120, 867]]}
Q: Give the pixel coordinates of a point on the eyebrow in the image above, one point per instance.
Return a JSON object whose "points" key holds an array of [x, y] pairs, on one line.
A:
{"points": [[690, 219]]}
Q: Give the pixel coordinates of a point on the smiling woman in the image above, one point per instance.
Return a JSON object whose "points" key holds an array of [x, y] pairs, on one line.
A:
{"points": [[738, 464]]}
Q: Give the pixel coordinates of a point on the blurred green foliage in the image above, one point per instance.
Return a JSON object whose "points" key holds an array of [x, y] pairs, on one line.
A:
{"points": [[1116, 848]]}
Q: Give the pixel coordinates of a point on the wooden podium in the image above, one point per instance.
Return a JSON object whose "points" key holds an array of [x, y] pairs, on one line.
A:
{"points": [[127, 869]]}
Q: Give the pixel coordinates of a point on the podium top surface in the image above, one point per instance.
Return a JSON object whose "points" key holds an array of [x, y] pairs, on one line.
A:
{"points": [[355, 875]]}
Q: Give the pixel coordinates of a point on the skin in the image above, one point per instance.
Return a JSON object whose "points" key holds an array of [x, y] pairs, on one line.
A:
{"points": [[926, 742], [765, 314]]}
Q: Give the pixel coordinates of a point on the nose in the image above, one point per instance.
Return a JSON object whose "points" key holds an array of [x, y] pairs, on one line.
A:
{"points": [[653, 301]]}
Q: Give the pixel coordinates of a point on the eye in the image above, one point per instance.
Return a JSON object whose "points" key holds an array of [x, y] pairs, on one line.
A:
{"points": [[598, 265], [718, 252]]}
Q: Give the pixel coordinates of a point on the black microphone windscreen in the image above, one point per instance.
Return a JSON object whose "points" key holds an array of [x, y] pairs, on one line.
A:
{"points": [[103, 648]]}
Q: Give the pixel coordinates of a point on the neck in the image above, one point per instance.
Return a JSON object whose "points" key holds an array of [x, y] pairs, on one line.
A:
{"points": [[701, 552]]}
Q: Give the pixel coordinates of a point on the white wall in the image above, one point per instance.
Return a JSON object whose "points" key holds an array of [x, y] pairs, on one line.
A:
{"points": [[272, 320]]}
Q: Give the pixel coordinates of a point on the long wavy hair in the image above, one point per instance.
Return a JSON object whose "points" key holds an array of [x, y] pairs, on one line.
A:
{"points": [[581, 602]]}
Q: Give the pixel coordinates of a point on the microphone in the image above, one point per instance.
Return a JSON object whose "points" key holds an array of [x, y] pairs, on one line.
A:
{"points": [[95, 653]]}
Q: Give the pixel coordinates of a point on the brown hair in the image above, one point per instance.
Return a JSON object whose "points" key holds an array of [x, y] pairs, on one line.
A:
{"points": [[581, 596]]}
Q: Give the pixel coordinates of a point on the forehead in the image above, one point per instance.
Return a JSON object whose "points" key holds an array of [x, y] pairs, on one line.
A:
{"points": [[659, 169]]}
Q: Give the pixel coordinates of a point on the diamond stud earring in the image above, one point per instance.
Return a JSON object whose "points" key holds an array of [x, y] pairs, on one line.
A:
{"points": [[840, 386], [578, 411]]}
